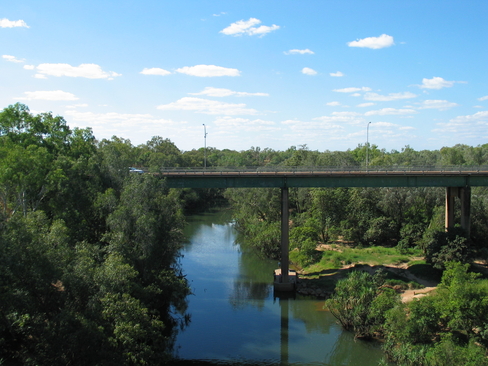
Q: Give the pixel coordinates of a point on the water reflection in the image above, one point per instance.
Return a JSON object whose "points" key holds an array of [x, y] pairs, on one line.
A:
{"points": [[238, 320]]}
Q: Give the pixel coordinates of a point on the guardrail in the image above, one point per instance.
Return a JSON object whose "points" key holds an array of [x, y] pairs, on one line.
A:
{"points": [[453, 169]]}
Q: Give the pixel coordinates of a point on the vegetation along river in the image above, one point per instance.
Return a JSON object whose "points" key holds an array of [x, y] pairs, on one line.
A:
{"points": [[236, 319]]}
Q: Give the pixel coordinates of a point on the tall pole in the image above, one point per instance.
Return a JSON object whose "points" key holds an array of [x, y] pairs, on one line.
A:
{"points": [[367, 144], [205, 146]]}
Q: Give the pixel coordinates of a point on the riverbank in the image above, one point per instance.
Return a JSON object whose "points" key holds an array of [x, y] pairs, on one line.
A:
{"points": [[409, 281]]}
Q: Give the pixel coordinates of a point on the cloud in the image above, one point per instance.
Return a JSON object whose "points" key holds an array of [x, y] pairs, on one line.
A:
{"points": [[5, 23], [437, 104], [206, 106], [248, 27], [337, 74], [301, 52], [436, 83], [365, 105], [344, 117], [77, 105], [352, 90], [386, 98], [53, 95], [333, 104], [29, 67], [244, 124], [12, 59], [219, 14], [155, 71], [483, 98], [308, 71], [479, 116], [373, 42], [208, 71], [220, 92], [89, 71], [390, 111]]}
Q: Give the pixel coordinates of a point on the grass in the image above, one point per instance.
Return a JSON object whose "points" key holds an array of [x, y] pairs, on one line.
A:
{"points": [[373, 256], [336, 263]]}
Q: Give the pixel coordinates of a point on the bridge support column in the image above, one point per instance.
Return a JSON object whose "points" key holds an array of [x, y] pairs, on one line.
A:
{"points": [[464, 193], [451, 192], [285, 240]]}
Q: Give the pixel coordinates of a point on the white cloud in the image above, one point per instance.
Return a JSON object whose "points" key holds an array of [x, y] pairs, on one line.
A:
{"points": [[365, 105], [248, 27], [333, 104], [308, 71], [390, 111], [12, 59], [219, 14], [353, 118], [206, 106], [479, 116], [77, 105], [352, 90], [5, 23], [53, 95], [221, 92], [155, 71], [301, 52], [90, 71], [436, 83], [386, 98], [437, 104], [40, 76], [244, 124], [373, 42], [337, 74], [29, 67], [208, 71], [483, 98]]}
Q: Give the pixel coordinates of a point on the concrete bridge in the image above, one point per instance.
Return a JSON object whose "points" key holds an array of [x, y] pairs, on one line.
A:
{"points": [[457, 180]]}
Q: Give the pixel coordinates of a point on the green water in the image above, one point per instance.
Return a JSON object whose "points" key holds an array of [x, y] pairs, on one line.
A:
{"points": [[236, 319]]}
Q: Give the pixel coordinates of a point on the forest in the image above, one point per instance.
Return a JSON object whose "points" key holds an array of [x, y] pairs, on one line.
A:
{"points": [[89, 251]]}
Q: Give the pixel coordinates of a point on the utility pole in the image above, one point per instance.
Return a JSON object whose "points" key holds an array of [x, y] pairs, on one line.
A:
{"points": [[205, 146], [367, 144]]}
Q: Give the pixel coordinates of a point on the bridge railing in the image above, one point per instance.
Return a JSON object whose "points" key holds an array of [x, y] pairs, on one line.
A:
{"points": [[456, 169]]}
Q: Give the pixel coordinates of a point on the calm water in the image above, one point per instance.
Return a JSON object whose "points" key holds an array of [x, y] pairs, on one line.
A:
{"points": [[235, 317]]}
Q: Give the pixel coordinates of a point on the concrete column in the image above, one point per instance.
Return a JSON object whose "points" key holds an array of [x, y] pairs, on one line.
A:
{"points": [[285, 260], [451, 192], [465, 195]]}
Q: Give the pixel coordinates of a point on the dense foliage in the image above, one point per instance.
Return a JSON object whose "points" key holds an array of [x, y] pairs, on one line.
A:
{"points": [[88, 270], [449, 327]]}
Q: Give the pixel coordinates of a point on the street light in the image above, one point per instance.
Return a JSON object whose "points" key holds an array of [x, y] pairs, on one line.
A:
{"points": [[205, 146], [367, 144]]}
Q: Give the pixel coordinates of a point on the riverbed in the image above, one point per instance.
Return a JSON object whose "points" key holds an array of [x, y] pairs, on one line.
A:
{"points": [[237, 319]]}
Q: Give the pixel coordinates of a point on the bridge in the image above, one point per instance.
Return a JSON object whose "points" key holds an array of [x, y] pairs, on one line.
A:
{"points": [[457, 180]]}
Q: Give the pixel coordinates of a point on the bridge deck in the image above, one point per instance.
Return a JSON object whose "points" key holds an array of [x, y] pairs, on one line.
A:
{"points": [[323, 177]]}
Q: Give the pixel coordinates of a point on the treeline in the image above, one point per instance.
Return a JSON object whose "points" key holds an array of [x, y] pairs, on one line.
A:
{"points": [[88, 252]]}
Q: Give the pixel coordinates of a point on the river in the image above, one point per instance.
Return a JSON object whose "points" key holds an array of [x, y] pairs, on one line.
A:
{"points": [[236, 319]]}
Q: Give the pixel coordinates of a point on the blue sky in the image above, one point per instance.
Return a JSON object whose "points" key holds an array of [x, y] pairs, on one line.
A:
{"points": [[262, 73]]}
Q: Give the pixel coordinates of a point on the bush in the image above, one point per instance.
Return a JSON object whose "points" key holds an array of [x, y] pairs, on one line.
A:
{"points": [[360, 301], [442, 247]]}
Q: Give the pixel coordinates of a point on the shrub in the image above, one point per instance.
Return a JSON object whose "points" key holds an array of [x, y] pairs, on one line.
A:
{"points": [[360, 301]]}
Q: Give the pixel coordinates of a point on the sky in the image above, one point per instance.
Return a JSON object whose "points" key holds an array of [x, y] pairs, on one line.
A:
{"points": [[330, 75]]}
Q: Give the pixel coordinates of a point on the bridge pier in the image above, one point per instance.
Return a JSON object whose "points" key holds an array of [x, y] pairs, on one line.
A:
{"points": [[464, 194], [285, 238]]}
